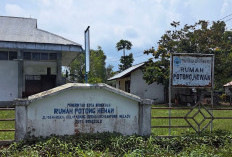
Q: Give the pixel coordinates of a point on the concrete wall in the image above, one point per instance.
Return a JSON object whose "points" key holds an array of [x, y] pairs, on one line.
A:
{"points": [[38, 68], [8, 80], [53, 115], [142, 89]]}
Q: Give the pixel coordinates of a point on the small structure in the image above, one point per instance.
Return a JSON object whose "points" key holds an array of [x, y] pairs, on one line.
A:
{"points": [[31, 59], [86, 108], [131, 80], [228, 88]]}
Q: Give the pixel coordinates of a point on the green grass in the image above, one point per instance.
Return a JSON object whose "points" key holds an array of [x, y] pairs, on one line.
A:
{"points": [[217, 123], [8, 114]]}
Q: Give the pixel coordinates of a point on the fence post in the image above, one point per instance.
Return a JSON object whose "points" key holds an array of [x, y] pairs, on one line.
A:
{"points": [[212, 93], [144, 119], [20, 119], [170, 96]]}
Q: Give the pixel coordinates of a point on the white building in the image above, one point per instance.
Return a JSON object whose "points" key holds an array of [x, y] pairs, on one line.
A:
{"points": [[30, 58], [228, 88], [131, 80]]}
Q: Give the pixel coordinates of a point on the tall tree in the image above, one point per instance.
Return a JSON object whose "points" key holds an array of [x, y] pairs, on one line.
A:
{"points": [[126, 62], [123, 45], [97, 67], [197, 38]]}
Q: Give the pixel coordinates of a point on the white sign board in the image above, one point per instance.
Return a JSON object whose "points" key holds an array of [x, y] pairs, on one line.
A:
{"points": [[192, 70]]}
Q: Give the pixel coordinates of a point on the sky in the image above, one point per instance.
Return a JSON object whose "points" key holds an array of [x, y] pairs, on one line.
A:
{"points": [[142, 22]]}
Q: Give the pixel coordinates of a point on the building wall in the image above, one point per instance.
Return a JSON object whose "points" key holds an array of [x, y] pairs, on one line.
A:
{"points": [[8, 80], [39, 67], [40, 112], [227, 90], [141, 88], [122, 83]]}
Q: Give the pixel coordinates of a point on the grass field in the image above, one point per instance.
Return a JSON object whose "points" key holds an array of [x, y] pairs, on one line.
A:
{"points": [[7, 124]]}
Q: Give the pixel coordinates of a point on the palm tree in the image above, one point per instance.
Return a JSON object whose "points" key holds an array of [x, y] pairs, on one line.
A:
{"points": [[123, 45]]}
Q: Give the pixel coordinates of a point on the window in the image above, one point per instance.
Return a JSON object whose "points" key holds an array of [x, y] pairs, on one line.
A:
{"points": [[52, 56], [3, 55], [49, 71], [127, 86], [12, 55], [27, 55], [35, 56], [44, 56]]}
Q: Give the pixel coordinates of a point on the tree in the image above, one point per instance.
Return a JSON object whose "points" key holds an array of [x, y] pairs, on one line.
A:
{"points": [[123, 45], [97, 72], [197, 38], [77, 69], [109, 71], [126, 62], [97, 66]]}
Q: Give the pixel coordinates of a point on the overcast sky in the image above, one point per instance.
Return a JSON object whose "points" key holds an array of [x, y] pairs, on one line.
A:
{"points": [[140, 21]]}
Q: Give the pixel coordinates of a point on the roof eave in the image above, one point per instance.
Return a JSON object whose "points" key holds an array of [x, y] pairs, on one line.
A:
{"points": [[40, 46]]}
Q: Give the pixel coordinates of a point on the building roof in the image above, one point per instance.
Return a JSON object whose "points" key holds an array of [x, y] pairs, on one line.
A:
{"points": [[77, 86], [228, 84], [18, 29], [125, 72]]}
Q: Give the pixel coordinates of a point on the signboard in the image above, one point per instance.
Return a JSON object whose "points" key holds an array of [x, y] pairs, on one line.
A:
{"points": [[192, 70], [84, 113], [82, 108]]}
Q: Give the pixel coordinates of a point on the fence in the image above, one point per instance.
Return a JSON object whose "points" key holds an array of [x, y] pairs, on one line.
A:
{"points": [[7, 125], [198, 117]]}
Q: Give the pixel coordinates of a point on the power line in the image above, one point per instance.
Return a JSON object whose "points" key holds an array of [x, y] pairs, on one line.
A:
{"points": [[228, 19], [117, 60], [225, 17]]}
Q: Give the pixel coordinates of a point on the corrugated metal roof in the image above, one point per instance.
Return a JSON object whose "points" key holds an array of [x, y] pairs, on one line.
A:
{"points": [[228, 84], [125, 72], [17, 29]]}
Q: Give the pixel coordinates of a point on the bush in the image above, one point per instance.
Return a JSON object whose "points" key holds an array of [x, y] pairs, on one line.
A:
{"points": [[217, 143], [224, 97]]}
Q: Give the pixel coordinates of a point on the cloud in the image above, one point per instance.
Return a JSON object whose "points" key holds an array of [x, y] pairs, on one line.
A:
{"points": [[226, 7], [131, 33], [140, 21], [15, 10]]}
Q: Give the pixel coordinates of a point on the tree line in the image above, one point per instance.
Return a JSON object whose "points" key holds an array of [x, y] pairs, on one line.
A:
{"points": [[201, 37]]}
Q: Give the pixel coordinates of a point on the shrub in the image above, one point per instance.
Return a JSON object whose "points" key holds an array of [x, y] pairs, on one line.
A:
{"points": [[106, 144]]}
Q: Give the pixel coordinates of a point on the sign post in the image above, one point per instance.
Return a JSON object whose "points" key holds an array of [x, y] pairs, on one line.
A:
{"points": [[87, 53], [189, 70]]}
